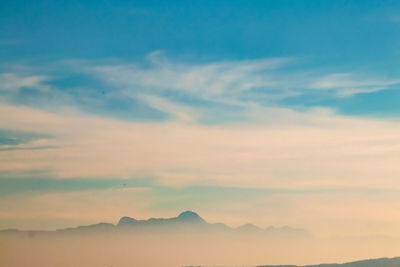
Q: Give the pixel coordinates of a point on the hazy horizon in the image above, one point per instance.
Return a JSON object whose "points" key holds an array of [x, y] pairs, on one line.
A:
{"points": [[184, 240]]}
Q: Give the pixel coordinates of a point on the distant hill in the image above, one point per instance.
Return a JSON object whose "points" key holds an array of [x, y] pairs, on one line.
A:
{"points": [[382, 262], [187, 217], [187, 221], [190, 219]]}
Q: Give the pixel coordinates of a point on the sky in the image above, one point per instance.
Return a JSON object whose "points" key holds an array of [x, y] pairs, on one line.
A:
{"points": [[265, 112]]}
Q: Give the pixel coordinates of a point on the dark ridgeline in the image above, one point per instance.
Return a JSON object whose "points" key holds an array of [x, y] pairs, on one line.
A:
{"points": [[191, 220], [187, 217], [382, 262], [186, 221]]}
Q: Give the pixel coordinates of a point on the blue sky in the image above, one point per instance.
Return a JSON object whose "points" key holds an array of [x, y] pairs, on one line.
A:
{"points": [[193, 98], [343, 32], [357, 37]]}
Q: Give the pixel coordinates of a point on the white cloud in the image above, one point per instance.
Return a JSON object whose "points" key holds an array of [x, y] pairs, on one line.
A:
{"points": [[348, 84], [204, 80], [178, 111], [13, 81], [242, 84], [234, 88], [221, 80]]}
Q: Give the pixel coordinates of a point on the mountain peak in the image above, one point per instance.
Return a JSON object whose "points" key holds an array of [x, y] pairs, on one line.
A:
{"points": [[126, 221], [190, 216]]}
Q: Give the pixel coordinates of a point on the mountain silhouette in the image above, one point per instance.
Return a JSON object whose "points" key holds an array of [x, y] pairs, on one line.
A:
{"points": [[187, 220], [186, 217], [190, 217], [382, 262]]}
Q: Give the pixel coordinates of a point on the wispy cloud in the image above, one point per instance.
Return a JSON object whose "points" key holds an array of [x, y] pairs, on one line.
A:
{"points": [[15, 81], [178, 111], [15, 140], [240, 84], [160, 88], [204, 80], [348, 84]]}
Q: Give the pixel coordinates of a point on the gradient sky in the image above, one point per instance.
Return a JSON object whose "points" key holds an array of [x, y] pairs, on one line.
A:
{"points": [[269, 112]]}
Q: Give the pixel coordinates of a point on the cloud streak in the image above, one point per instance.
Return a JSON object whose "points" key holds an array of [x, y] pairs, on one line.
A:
{"points": [[317, 148], [13, 82], [235, 84], [160, 88], [348, 84]]}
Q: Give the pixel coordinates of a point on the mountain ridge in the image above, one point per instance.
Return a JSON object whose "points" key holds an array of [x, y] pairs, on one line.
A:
{"points": [[379, 262], [185, 220]]}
